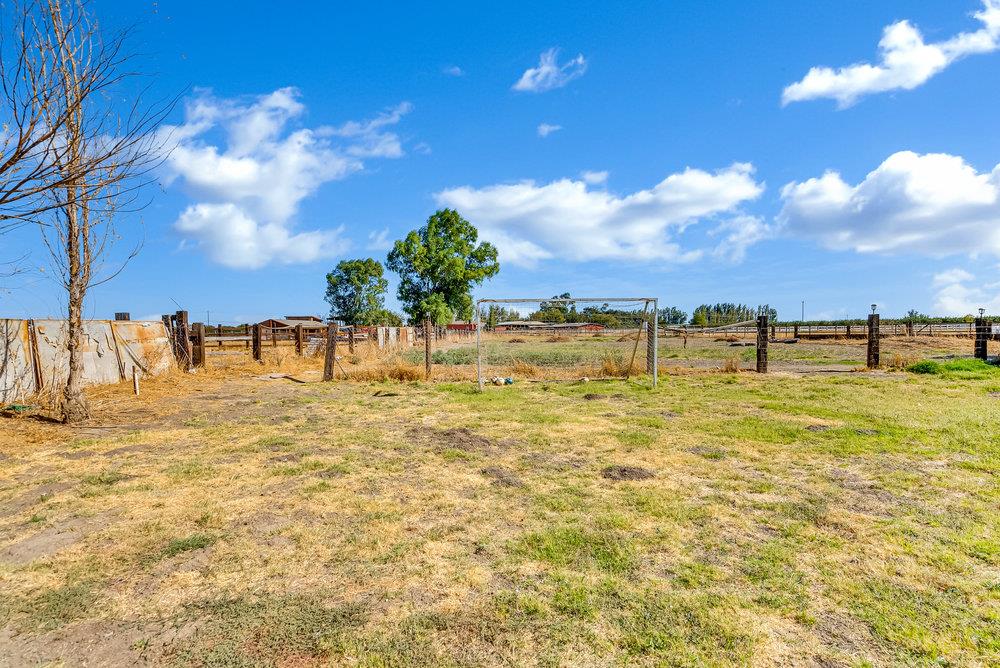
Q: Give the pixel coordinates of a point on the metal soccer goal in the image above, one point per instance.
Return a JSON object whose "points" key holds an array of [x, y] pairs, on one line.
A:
{"points": [[566, 338]]}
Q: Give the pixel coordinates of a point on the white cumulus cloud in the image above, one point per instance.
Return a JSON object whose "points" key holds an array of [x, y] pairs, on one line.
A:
{"points": [[958, 294], [906, 61], [933, 204], [545, 129], [549, 74], [234, 239], [248, 165], [529, 222]]}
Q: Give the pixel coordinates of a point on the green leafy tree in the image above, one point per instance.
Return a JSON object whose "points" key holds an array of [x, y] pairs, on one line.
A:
{"points": [[438, 265], [385, 318], [355, 290]]}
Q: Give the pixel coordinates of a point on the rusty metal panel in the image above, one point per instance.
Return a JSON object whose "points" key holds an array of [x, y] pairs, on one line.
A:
{"points": [[144, 346], [17, 379], [100, 355], [111, 350]]}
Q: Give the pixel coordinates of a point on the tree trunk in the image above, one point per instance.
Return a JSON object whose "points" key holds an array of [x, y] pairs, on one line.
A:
{"points": [[74, 404]]}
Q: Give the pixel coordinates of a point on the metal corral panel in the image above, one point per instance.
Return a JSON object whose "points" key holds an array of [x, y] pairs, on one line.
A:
{"points": [[100, 355], [111, 351], [17, 377], [144, 346]]}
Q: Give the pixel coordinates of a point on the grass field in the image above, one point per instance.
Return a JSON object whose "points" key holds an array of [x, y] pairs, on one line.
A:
{"points": [[722, 519], [588, 351]]}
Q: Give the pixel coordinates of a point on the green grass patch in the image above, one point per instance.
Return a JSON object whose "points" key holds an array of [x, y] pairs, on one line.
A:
{"points": [[55, 607], [579, 548], [284, 630], [968, 369]]}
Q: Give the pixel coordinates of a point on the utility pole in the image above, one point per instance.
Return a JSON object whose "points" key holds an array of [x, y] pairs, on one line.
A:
{"points": [[803, 310]]}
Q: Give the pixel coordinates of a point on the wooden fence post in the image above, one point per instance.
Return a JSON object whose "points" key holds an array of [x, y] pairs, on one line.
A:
{"points": [[298, 340], [198, 358], [329, 364], [255, 343], [184, 340], [795, 331], [873, 340], [350, 340], [170, 333], [274, 337], [246, 333], [218, 333], [427, 348], [762, 344], [979, 349]]}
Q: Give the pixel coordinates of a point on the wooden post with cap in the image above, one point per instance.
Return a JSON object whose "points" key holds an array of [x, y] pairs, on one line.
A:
{"points": [[874, 334], [762, 331]]}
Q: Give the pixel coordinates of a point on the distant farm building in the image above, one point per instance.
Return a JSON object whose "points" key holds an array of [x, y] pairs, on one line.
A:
{"points": [[310, 323]]}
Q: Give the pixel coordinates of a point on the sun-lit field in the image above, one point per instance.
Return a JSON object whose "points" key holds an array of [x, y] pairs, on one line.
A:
{"points": [[231, 519]]}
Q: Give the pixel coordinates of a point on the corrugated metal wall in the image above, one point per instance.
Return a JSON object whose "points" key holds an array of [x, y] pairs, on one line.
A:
{"points": [[33, 353]]}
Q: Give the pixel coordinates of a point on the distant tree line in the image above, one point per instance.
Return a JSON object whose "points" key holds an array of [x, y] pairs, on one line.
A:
{"points": [[716, 315]]}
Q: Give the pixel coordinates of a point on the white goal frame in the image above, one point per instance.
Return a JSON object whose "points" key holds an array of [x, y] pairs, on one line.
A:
{"points": [[573, 300]]}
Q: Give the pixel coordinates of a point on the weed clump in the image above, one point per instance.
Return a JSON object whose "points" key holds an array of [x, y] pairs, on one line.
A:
{"points": [[967, 368]]}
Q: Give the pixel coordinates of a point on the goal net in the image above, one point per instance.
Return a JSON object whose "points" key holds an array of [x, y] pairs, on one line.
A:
{"points": [[565, 338]]}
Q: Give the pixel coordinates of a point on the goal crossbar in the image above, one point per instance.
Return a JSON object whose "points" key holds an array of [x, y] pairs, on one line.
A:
{"points": [[647, 301]]}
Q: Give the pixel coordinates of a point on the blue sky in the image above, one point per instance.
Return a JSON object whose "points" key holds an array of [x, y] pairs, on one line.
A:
{"points": [[683, 156]]}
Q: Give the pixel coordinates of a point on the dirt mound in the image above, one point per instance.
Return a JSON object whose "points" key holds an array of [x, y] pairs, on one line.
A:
{"points": [[818, 427], [463, 438], [516, 340], [626, 473], [502, 477], [592, 396]]}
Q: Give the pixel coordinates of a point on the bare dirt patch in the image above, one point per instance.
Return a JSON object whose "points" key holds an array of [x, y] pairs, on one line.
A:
{"points": [[51, 540], [33, 496], [626, 473], [502, 477]]}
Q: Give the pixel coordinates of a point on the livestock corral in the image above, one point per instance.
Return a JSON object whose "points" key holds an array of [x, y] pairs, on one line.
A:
{"points": [[246, 512]]}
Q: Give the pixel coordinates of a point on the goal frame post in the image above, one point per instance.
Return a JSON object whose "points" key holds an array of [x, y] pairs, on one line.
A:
{"points": [[652, 332]]}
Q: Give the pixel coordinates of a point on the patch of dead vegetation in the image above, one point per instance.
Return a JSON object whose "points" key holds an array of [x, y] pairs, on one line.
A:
{"points": [[501, 476], [620, 472]]}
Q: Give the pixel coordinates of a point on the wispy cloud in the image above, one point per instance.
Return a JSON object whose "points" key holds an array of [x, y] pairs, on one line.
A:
{"points": [[453, 71], [379, 241], [958, 294], [906, 62], [594, 178], [248, 187], [545, 129], [549, 74]]}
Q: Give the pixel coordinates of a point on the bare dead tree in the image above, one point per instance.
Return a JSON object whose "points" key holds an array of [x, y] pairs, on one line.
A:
{"points": [[101, 157], [32, 122]]}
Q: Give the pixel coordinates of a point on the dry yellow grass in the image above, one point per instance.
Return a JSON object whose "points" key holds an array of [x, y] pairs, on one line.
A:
{"points": [[789, 520]]}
